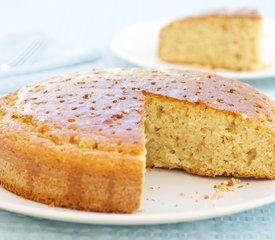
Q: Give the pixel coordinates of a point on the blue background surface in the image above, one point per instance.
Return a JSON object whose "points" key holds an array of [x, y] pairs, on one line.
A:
{"points": [[87, 24]]}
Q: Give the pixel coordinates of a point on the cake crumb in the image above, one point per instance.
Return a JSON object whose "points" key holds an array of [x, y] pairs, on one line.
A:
{"points": [[205, 196], [148, 169], [227, 186], [233, 182], [181, 194], [176, 205], [217, 195]]}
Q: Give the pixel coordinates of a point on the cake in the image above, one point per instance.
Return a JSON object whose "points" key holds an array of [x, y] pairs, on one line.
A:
{"points": [[82, 141], [222, 38]]}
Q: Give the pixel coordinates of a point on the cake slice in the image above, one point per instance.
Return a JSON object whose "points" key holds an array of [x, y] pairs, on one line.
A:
{"points": [[222, 38], [80, 141]]}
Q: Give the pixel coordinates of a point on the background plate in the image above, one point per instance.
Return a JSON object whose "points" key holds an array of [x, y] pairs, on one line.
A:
{"points": [[169, 196], [138, 44]]}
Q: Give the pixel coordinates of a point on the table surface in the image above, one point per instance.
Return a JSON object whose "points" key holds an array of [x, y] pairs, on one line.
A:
{"points": [[88, 24]]}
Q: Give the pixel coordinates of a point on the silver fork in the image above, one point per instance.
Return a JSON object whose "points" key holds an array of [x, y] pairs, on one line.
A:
{"points": [[23, 56]]}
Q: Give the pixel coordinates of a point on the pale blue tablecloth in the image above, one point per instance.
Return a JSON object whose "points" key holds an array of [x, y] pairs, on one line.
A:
{"points": [[88, 24]]}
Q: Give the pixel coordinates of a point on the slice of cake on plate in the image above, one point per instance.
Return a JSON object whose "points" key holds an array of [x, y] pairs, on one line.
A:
{"points": [[222, 38]]}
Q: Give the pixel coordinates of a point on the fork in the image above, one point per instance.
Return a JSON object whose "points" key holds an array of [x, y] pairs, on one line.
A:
{"points": [[23, 56]]}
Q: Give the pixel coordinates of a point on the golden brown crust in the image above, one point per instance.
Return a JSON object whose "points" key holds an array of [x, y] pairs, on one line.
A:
{"points": [[236, 13], [110, 119], [77, 141], [64, 175], [246, 12]]}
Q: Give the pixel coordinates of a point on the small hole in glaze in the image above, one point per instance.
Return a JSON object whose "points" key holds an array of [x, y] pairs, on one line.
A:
{"points": [[71, 120]]}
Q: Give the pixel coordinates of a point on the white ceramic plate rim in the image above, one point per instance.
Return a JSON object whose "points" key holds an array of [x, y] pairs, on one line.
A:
{"points": [[115, 47], [131, 219]]}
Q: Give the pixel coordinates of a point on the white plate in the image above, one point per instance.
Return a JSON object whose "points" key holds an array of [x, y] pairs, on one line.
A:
{"points": [[163, 201], [138, 45]]}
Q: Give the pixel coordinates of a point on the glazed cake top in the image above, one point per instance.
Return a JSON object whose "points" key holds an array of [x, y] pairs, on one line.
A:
{"points": [[103, 109]]}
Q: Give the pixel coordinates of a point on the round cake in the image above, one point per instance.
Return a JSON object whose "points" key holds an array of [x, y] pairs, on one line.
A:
{"points": [[82, 141]]}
